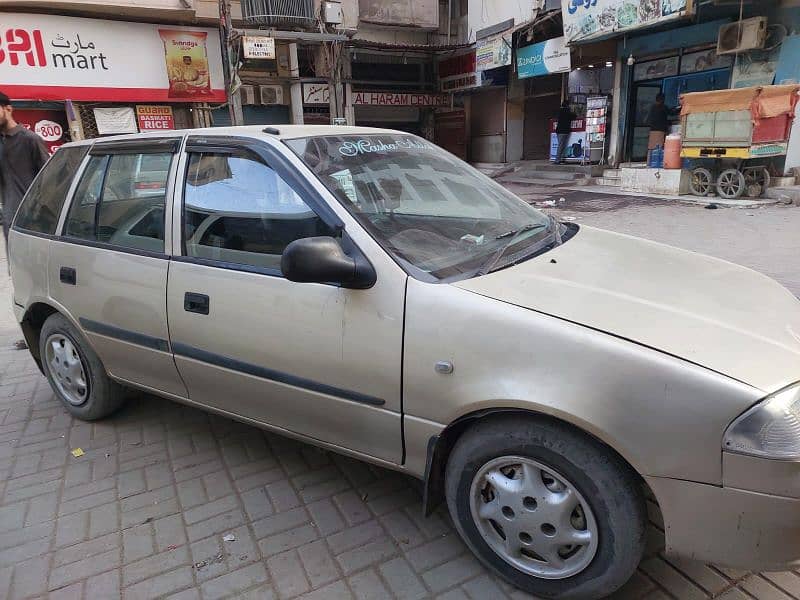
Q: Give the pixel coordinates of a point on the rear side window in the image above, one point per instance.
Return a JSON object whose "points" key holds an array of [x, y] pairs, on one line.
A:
{"points": [[45, 198], [120, 201]]}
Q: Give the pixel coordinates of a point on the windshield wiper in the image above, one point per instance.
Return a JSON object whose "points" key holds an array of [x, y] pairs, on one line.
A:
{"points": [[513, 236]]}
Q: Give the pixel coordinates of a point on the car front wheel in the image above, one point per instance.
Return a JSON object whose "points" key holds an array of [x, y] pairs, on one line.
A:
{"points": [[549, 509]]}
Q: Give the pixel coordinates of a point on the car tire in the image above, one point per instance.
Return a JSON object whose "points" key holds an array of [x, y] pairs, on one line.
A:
{"points": [[76, 375], [510, 483]]}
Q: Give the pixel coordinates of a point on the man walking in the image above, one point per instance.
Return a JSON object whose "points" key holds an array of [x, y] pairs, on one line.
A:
{"points": [[563, 129], [658, 120], [22, 155]]}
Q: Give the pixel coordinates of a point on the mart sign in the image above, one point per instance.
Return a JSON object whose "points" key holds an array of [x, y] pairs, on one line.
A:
{"points": [[49, 57]]}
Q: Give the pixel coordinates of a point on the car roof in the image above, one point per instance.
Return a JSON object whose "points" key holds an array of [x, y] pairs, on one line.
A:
{"points": [[282, 132]]}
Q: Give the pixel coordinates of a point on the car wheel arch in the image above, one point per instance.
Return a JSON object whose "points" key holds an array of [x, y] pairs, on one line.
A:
{"points": [[440, 446], [33, 320]]}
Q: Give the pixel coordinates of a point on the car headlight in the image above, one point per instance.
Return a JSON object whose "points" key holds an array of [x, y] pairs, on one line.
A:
{"points": [[770, 429]]}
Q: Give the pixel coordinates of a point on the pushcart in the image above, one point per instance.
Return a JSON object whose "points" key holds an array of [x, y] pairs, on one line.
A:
{"points": [[733, 139]]}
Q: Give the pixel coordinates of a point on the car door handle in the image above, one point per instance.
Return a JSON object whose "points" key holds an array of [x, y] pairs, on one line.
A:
{"points": [[67, 275], [196, 303]]}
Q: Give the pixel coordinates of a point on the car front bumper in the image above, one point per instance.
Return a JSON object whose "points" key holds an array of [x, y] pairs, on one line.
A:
{"points": [[729, 526]]}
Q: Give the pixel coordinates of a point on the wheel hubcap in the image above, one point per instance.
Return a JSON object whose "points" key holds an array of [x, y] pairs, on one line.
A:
{"points": [[533, 517], [67, 370]]}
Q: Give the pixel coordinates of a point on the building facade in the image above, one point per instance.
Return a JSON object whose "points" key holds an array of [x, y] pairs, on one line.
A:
{"points": [[482, 78]]}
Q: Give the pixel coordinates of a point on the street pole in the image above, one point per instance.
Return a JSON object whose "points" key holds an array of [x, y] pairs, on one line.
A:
{"points": [[225, 29]]}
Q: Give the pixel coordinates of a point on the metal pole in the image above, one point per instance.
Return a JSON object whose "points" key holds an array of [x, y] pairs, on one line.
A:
{"points": [[449, 19]]}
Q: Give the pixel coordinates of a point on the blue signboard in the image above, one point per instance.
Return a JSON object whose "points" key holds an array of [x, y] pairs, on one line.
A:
{"points": [[543, 58]]}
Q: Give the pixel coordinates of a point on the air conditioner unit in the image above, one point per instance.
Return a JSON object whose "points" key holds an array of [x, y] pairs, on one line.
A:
{"points": [[248, 94], [740, 36], [271, 94]]}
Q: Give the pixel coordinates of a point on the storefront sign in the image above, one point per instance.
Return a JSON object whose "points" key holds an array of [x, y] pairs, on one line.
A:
{"points": [[316, 93], [491, 53], [49, 125], [756, 67], [258, 47], [544, 58], [155, 118], [704, 60], [399, 99], [458, 83], [49, 57], [656, 69], [576, 146], [587, 19], [458, 73], [120, 119]]}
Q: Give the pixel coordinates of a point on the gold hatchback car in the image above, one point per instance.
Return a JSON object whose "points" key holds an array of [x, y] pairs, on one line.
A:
{"points": [[364, 290]]}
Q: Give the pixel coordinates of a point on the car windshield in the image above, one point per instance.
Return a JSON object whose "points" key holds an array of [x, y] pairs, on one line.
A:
{"points": [[432, 211]]}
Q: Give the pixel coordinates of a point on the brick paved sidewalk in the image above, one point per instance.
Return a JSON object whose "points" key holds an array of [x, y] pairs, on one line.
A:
{"points": [[147, 511]]}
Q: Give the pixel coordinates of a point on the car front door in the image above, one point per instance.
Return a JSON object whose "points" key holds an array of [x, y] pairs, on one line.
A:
{"points": [[108, 267], [314, 359]]}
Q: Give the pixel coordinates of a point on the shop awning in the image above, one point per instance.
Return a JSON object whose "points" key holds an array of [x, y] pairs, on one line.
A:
{"points": [[718, 100], [763, 101], [776, 100]]}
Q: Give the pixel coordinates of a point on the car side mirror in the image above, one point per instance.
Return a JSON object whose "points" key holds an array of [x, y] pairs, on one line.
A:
{"points": [[322, 260]]}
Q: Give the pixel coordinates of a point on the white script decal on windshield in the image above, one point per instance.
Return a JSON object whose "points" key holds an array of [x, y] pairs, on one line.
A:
{"points": [[366, 146]]}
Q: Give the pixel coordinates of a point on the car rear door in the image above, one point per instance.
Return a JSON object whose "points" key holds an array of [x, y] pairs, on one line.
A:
{"points": [[314, 359], [108, 267]]}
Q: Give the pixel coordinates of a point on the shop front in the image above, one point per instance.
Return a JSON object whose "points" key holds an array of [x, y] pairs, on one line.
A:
{"points": [[689, 70], [543, 66], [72, 78], [404, 111], [480, 94], [392, 86]]}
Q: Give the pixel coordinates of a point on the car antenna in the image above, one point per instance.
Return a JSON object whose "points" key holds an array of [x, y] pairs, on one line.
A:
{"points": [[272, 130]]}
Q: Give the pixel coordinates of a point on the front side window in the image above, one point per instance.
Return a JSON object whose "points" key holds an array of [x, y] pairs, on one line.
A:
{"points": [[120, 200], [45, 198], [433, 212], [238, 210]]}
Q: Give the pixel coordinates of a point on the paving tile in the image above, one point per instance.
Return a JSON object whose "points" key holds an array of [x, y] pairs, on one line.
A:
{"points": [[234, 582], [160, 585]]}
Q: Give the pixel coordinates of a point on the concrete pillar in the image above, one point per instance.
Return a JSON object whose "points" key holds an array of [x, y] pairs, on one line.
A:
{"points": [[296, 90], [613, 126], [347, 75]]}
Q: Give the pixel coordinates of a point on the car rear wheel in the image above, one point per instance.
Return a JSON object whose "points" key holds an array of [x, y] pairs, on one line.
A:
{"points": [[75, 372], [552, 511]]}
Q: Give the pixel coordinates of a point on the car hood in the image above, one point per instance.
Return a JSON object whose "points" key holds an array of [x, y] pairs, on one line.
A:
{"points": [[704, 310]]}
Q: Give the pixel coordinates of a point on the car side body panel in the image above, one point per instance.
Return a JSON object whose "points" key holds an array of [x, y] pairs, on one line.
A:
{"points": [[665, 416], [28, 264], [119, 302]]}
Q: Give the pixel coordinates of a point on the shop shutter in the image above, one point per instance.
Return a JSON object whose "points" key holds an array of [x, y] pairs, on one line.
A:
{"points": [[253, 115]]}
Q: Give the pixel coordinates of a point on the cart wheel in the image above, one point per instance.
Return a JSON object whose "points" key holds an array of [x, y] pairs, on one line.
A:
{"points": [[731, 183], [757, 180], [701, 181]]}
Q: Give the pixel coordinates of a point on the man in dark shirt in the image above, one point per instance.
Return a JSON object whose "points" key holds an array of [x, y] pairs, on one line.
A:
{"points": [[563, 129], [22, 155], [658, 122]]}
